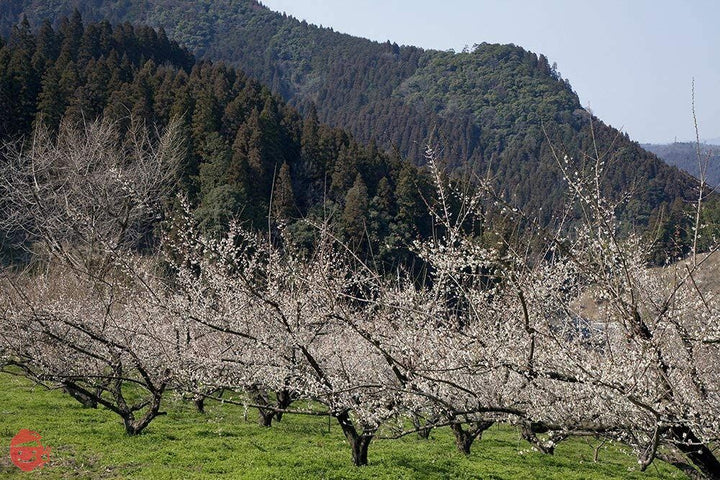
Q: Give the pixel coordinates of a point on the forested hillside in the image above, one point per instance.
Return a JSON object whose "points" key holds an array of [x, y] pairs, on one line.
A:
{"points": [[497, 109], [247, 153], [684, 155]]}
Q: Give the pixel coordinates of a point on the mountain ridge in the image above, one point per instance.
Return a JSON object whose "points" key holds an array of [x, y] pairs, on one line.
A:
{"points": [[684, 155], [497, 110]]}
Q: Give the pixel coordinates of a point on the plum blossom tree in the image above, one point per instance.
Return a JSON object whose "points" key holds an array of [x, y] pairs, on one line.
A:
{"points": [[500, 334], [102, 342], [263, 317], [449, 340], [649, 352], [643, 369], [82, 314], [91, 193]]}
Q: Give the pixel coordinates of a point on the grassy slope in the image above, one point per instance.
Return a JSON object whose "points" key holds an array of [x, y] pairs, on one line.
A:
{"points": [[184, 444]]}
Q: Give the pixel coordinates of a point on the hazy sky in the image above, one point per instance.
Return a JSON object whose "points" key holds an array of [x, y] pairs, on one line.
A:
{"points": [[631, 61]]}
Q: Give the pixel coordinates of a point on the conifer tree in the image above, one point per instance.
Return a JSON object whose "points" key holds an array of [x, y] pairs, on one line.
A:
{"points": [[354, 214], [51, 101], [24, 82], [46, 48], [71, 31], [380, 217], [283, 201]]}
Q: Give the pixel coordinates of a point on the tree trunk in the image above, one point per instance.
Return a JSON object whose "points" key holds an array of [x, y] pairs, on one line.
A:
{"points": [[86, 400], [132, 425], [260, 397], [135, 427], [681, 465], [465, 438], [359, 443], [360, 450], [702, 458], [266, 417], [529, 431], [424, 433], [199, 404], [284, 399], [423, 430]]}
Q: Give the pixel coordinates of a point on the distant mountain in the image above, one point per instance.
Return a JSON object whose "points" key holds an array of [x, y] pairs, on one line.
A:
{"points": [[684, 155], [713, 141], [496, 110]]}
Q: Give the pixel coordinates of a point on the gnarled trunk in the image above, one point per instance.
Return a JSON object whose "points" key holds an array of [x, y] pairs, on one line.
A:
{"points": [[87, 401], [134, 426], [702, 458], [423, 429], [265, 410], [266, 417], [199, 402], [359, 442], [465, 438], [529, 431], [284, 399]]}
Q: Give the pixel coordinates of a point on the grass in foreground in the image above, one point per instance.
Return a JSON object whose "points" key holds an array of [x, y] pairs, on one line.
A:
{"points": [[184, 444]]}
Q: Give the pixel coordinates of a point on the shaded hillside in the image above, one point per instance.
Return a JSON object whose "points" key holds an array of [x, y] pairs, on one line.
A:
{"points": [[497, 109], [247, 153], [685, 157]]}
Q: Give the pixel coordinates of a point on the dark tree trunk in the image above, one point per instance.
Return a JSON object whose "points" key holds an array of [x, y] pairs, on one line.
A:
{"points": [[284, 399], [199, 404], [702, 458], [266, 417], [465, 438], [682, 465], [529, 431], [423, 430], [260, 397], [359, 442], [423, 433], [135, 426], [199, 399], [87, 401], [360, 450], [118, 404]]}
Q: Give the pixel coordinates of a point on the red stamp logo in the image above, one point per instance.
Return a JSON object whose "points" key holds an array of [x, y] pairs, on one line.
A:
{"points": [[26, 451]]}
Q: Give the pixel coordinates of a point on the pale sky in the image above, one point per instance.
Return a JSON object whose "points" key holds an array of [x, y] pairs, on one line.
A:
{"points": [[631, 61]]}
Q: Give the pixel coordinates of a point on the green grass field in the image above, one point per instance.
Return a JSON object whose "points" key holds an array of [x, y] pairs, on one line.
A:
{"points": [[184, 444]]}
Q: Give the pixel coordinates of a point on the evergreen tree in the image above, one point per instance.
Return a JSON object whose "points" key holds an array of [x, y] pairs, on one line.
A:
{"points": [[71, 32], [411, 220], [51, 101], [46, 48], [344, 173], [283, 201], [380, 216], [206, 112], [354, 215], [143, 92], [24, 81]]}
